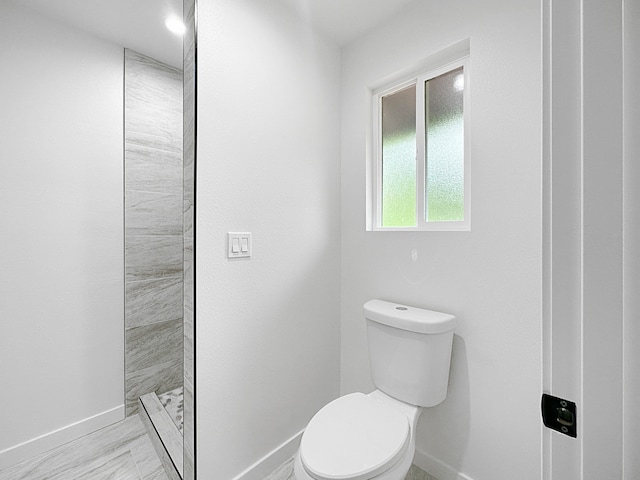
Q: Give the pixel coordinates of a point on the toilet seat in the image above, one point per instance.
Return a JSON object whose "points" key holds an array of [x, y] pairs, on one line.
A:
{"points": [[354, 437]]}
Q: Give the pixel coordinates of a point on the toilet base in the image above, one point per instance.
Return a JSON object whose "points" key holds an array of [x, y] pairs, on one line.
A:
{"points": [[396, 472]]}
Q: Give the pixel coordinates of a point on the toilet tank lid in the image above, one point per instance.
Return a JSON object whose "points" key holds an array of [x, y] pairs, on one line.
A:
{"points": [[413, 319]]}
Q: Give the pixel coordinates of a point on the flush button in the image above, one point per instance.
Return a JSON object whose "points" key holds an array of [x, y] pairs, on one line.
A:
{"points": [[402, 308]]}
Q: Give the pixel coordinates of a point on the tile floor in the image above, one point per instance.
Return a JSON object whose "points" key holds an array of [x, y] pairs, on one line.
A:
{"points": [[122, 451], [285, 472], [119, 452]]}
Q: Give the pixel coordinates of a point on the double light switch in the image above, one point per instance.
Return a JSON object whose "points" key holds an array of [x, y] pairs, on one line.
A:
{"points": [[239, 244]]}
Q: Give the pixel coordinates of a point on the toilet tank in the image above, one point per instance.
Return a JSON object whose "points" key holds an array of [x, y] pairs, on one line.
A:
{"points": [[409, 351]]}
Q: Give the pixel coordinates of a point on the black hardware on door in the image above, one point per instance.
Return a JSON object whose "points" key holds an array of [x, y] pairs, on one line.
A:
{"points": [[560, 415]]}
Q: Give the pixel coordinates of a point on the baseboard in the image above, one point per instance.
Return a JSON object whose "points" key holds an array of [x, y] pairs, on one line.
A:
{"points": [[272, 460], [43, 443], [437, 468]]}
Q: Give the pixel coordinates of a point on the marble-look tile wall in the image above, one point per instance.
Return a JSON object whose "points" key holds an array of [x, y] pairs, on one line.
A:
{"points": [[189, 136], [153, 228]]}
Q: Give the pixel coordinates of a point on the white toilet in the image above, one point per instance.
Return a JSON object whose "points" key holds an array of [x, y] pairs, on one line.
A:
{"points": [[365, 437]]}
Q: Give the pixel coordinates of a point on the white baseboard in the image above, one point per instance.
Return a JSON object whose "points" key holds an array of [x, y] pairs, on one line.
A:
{"points": [[437, 468], [43, 443], [272, 460]]}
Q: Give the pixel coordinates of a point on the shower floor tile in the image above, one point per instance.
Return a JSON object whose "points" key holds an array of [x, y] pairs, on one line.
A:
{"points": [[173, 403]]}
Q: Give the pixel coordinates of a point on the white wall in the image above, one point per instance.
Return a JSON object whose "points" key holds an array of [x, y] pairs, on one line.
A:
{"points": [[631, 240], [267, 328], [489, 426], [61, 281]]}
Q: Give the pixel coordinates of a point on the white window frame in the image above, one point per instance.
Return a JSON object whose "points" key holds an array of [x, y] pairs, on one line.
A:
{"points": [[376, 177]]}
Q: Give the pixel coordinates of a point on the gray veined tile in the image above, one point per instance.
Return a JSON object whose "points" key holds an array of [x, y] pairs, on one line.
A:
{"points": [[169, 144], [154, 360], [416, 473], [153, 170], [120, 467], [156, 378], [188, 217], [149, 78], [146, 460], [155, 344], [151, 213], [188, 273], [151, 85], [188, 176], [154, 256], [151, 88], [153, 301], [158, 128], [188, 139]]}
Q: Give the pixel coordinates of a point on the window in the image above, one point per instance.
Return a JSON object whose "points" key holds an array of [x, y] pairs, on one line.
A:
{"points": [[420, 175]]}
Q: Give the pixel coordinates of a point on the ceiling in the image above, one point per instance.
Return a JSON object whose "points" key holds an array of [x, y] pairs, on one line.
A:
{"points": [[345, 20], [135, 24], [139, 24]]}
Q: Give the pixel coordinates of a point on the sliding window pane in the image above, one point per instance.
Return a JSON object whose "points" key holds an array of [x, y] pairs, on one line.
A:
{"points": [[445, 147], [399, 158]]}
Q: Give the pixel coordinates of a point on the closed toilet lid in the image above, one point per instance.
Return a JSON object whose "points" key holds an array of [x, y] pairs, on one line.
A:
{"points": [[354, 437]]}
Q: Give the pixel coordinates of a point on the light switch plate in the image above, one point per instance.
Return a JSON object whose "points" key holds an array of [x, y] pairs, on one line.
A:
{"points": [[238, 244]]}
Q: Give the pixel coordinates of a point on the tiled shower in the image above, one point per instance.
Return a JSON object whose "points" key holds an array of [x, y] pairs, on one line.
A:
{"points": [[153, 228]]}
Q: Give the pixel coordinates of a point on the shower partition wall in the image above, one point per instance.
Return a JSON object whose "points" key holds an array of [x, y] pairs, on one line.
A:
{"points": [[153, 228]]}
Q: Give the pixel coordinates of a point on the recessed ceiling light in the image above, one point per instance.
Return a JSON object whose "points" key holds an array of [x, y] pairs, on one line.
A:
{"points": [[175, 25]]}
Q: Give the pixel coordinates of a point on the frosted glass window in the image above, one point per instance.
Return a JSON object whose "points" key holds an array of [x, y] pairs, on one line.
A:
{"points": [[444, 158], [420, 177], [399, 158]]}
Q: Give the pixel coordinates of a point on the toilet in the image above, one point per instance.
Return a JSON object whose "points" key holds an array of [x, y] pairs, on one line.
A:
{"points": [[372, 436]]}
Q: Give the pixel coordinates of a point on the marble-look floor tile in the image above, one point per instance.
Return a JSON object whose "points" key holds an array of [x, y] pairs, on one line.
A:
{"points": [[416, 473], [147, 461], [120, 467], [285, 472], [102, 455]]}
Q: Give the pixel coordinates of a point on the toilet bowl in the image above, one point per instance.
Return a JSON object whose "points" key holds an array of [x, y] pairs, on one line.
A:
{"points": [[359, 437], [372, 437]]}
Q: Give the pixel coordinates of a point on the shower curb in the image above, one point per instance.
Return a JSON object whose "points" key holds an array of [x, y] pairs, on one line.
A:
{"points": [[165, 436]]}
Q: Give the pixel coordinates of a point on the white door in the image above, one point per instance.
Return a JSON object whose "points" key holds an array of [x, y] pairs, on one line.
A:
{"points": [[591, 234]]}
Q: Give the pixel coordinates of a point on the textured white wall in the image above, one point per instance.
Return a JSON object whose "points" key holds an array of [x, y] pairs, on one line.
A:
{"points": [[490, 278], [631, 240], [267, 328], [61, 281]]}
